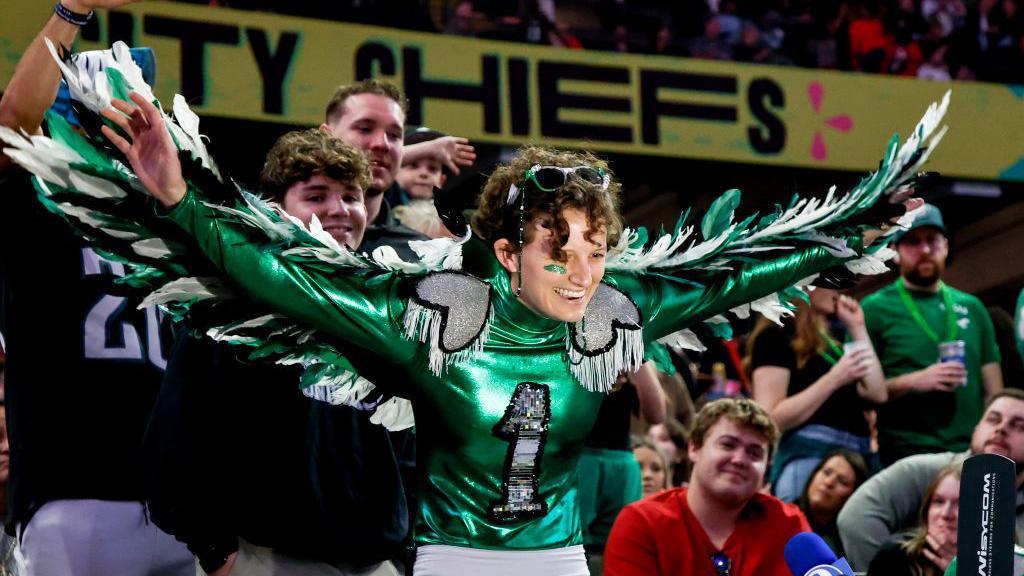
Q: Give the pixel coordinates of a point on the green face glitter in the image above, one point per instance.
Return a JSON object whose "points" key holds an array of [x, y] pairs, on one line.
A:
{"points": [[555, 268]]}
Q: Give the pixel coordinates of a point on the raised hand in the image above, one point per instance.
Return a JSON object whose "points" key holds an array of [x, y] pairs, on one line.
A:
{"points": [[909, 204], [849, 312], [452, 151], [151, 152], [940, 548]]}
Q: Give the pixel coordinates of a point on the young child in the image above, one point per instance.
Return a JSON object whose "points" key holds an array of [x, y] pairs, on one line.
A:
{"points": [[418, 178]]}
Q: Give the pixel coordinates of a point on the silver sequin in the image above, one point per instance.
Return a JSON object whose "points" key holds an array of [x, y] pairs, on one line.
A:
{"points": [[467, 301], [525, 425], [595, 331]]}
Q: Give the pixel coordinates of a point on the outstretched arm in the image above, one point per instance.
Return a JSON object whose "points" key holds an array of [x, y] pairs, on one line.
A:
{"points": [[670, 304], [726, 278], [361, 309], [33, 87], [452, 151]]}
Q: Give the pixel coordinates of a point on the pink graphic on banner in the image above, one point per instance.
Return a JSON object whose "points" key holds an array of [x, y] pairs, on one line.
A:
{"points": [[842, 122]]}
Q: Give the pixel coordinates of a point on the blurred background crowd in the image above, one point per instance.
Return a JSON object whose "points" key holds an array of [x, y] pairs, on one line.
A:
{"points": [[934, 39]]}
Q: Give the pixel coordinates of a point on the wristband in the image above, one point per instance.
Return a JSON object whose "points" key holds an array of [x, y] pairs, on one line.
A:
{"points": [[71, 17]]}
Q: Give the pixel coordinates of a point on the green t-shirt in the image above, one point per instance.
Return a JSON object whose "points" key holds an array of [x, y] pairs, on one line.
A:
{"points": [[929, 421]]}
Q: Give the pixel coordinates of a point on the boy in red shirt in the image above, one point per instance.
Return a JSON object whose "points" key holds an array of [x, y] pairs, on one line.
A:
{"points": [[720, 525]]}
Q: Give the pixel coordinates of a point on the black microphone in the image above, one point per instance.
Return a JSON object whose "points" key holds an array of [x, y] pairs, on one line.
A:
{"points": [[988, 491], [808, 555]]}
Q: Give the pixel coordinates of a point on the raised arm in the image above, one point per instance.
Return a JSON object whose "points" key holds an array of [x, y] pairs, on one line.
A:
{"points": [[359, 308], [670, 304], [452, 151], [33, 87]]}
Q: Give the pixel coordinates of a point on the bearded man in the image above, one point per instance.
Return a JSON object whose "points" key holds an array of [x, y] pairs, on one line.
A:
{"points": [[937, 348]]}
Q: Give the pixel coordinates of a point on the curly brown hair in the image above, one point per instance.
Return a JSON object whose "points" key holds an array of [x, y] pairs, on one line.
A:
{"points": [[300, 155], [494, 220], [336, 105], [741, 411]]}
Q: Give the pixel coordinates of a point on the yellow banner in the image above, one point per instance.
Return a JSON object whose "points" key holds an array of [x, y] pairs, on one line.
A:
{"points": [[257, 66]]}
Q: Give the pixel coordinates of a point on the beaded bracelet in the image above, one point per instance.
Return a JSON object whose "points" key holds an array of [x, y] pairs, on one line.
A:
{"points": [[72, 17]]}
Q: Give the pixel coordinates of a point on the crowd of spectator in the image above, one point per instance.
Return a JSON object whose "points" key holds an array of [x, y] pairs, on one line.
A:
{"points": [[809, 419], [932, 39], [865, 438]]}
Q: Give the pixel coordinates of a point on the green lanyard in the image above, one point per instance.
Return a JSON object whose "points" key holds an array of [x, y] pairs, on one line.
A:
{"points": [[837, 350], [947, 300]]}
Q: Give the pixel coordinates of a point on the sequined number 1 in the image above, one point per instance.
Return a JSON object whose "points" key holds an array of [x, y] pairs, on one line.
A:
{"points": [[525, 427]]}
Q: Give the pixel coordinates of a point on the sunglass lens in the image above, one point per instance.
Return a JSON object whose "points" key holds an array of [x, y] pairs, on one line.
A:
{"points": [[590, 175], [549, 179]]}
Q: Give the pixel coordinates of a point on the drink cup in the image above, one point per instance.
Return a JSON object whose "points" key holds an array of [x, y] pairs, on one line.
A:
{"points": [[854, 345], [954, 351]]}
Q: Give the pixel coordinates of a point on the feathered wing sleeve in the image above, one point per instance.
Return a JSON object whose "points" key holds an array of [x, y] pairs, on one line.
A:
{"points": [[755, 263], [361, 308], [668, 304], [243, 271]]}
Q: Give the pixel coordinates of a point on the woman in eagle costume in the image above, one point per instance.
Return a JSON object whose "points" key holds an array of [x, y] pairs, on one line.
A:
{"points": [[506, 339]]}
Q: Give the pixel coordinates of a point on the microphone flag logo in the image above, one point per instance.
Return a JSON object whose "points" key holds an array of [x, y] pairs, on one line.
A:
{"points": [[824, 570]]}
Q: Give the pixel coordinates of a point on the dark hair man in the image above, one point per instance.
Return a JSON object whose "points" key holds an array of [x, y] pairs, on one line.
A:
{"points": [[370, 115], [889, 501], [254, 476]]}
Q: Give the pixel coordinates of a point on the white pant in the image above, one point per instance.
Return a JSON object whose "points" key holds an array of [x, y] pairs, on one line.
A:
{"points": [[98, 538], [441, 560], [259, 561]]}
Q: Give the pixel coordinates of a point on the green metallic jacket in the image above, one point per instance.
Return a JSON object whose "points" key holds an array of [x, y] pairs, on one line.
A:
{"points": [[499, 432]]}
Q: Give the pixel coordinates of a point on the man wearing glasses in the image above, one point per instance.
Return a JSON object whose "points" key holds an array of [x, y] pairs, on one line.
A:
{"points": [[937, 347], [720, 525]]}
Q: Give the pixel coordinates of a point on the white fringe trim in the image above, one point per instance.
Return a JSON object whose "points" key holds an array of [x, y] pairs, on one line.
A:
{"points": [[598, 373], [423, 324]]}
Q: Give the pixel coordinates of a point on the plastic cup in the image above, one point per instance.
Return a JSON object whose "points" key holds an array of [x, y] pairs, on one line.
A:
{"points": [[954, 351]]}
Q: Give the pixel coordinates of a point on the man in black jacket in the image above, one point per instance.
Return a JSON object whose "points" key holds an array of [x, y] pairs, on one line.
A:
{"points": [[254, 476]]}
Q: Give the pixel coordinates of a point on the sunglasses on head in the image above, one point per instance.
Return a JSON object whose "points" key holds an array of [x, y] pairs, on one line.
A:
{"points": [[722, 564], [551, 178]]}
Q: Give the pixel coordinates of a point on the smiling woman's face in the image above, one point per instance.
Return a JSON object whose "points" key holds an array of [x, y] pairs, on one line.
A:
{"points": [[560, 289]]}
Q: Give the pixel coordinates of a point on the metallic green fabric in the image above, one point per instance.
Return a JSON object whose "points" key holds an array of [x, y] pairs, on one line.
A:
{"points": [[464, 448]]}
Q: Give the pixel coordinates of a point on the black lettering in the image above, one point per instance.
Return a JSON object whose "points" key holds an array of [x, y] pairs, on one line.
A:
{"points": [[374, 54], [519, 95], [652, 109], [91, 30], [770, 136], [552, 101], [121, 26], [418, 89], [194, 36], [274, 66]]}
